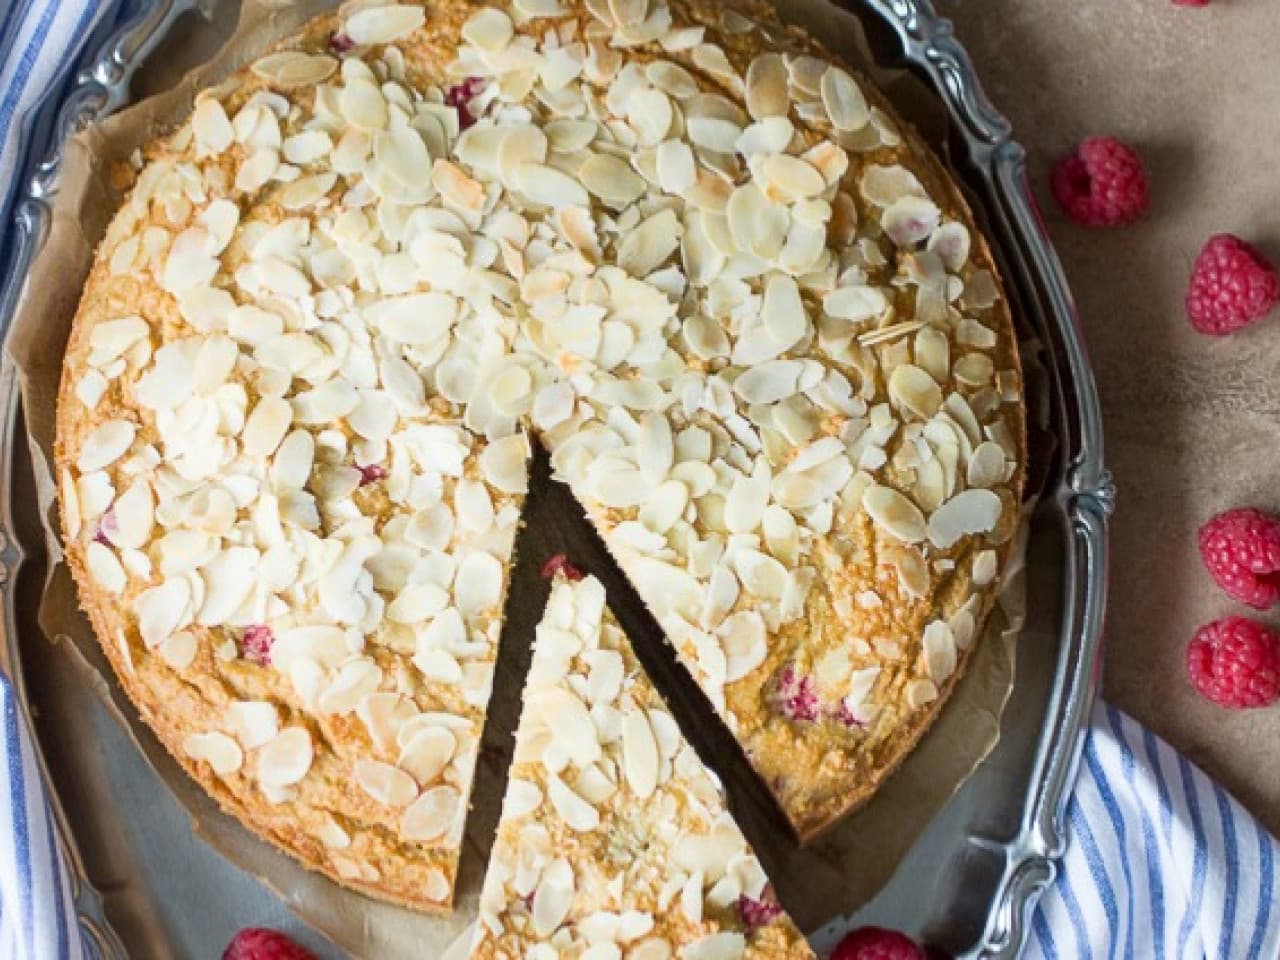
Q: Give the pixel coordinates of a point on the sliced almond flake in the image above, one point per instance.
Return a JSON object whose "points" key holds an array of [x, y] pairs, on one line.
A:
{"points": [[105, 568], [939, 648], [383, 24], [414, 318], [648, 246], [217, 749], [577, 813], [639, 754], [432, 815], [505, 464], [253, 722], [886, 185], [783, 311], [970, 512], [786, 179], [843, 100], [211, 127], [726, 945], [384, 783], [913, 390], [162, 609], [985, 567], [973, 370], [553, 898], [135, 515], [488, 29], [919, 692], [105, 444], [770, 381], [766, 86], [549, 187], [292, 68], [570, 722], [677, 171], [427, 754], [910, 220], [179, 650], [894, 513], [713, 133], [285, 758], [743, 636], [363, 105], [986, 465]]}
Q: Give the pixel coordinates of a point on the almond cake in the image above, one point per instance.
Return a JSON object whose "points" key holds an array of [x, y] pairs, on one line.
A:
{"points": [[742, 306], [613, 834]]}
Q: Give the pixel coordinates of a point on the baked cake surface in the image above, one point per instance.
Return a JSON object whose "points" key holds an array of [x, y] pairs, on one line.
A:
{"points": [[613, 835], [742, 306]]}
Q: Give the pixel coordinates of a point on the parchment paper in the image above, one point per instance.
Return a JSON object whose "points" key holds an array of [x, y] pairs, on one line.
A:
{"points": [[828, 879]]}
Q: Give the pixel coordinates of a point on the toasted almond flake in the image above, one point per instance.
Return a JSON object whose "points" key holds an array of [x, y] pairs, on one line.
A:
{"points": [[383, 24], [384, 783], [985, 568], [894, 513], [843, 100], [770, 381], [427, 754], [212, 129], [432, 815], [919, 692], [970, 512], [105, 568], [610, 179], [217, 749], [179, 650], [766, 86], [292, 68], [716, 946], [285, 758], [488, 29], [913, 390], [783, 311], [909, 220], [549, 187], [105, 444], [253, 722], [639, 754]]}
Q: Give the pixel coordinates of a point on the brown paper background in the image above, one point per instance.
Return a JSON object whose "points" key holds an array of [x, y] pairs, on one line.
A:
{"points": [[1192, 422], [830, 878]]}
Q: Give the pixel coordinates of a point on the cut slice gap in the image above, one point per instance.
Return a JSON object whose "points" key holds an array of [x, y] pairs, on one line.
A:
{"points": [[554, 523], [613, 831]]}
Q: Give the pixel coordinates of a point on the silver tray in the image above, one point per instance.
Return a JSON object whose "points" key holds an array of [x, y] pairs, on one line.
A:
{"points": [[146, 887]]}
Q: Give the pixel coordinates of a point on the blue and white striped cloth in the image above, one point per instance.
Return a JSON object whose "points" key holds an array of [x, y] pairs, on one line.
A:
{"points": [[1161, 864]]}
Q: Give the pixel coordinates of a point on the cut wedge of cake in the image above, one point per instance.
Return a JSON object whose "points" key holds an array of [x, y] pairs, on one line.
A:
{"points": [[614, 838]]}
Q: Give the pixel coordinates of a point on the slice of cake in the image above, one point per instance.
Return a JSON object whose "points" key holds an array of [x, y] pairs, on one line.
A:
{"points": [[614, 838]]}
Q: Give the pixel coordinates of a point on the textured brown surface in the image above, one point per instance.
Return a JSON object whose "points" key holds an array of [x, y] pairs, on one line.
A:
{"points": [[1193, 424]]}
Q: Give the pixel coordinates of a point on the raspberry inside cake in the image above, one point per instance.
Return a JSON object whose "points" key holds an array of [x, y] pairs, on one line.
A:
{"points": [[613, 835], [740, 304]]}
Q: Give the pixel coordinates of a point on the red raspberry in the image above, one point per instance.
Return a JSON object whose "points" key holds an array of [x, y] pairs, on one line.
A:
{"points": [[560, 564], [1232, 286], [756, 913], [256, 644], [1102, 184], [371, 473], [1241, 548], [259, 943], [460, 95], [797, 698], [877, 943], [1235, 662], [341, 43]]}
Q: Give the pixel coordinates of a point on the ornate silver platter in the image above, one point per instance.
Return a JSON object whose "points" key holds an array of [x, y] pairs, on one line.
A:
{"points": [[148, 888]]}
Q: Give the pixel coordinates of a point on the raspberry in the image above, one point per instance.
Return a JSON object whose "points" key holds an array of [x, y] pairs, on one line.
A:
{"points": [[756, 913], [1102, 184], [259, 943], [256, 644], [560, 564], [1235, 662], [340, 42], [459, 97], [796, 697], [371, 473], [1232, 286], [1241, 548], [877, 943]]}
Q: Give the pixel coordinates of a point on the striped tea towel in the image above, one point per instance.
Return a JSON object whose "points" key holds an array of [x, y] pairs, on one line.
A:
{"points": [[1161, 862]]}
